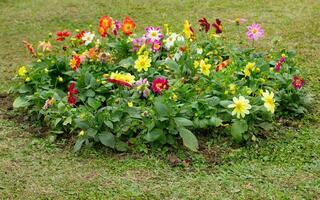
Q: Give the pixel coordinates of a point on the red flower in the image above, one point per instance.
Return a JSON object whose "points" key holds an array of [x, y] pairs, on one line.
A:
{"points": [[75, 63], [62, 35], [127, 26], [104, 24], [297, 82], [29, 48], [159, 84], [72, 94], [218, 26], [204, 24], [80, 35]]}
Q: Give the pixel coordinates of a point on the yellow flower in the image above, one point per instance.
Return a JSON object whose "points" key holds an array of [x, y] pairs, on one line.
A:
{"points": [[22, 71], [232, 88], [130, 104], [205, 68], [196, 64], [248, 69], [267, 97], [141, 49], [60, 79], [174, 97], [187, 30], [122, 78], [142, 63], [81, 133], [241, 106], [28, 79]]}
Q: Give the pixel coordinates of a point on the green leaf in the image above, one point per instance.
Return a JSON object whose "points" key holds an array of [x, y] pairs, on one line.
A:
{"points": [[90, 93], [188, 138], [56, 122], [91, 132], [238, 128], [154, 135], [225, 103], [109, 124], [107, 139], [20, 102], [161, 108], [95, 104], [180, 121], [215, 121], [121, 146], [78, 145], [67, 121], [126, 63], [266, 126]]}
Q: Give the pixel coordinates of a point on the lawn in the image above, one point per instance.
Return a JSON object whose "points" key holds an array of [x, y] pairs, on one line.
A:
{"points": [[284, 166]]}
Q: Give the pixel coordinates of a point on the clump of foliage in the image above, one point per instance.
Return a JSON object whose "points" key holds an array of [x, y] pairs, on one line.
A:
{"points": [[159, 89]]}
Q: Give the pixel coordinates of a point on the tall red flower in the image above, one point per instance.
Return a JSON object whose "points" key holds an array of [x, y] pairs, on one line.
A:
{"points": [[128, 26], [62, 35], [75, 63], [72, 94], [204, 24], [159, 84], [104, 24], [297, 82], [218, 26]]}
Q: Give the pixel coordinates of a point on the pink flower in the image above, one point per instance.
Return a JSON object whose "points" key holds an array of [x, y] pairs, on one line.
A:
{"points": [[156, 46], [279, 63], [153, 34], [255, 32], [136, 44], [159, 84], [115, 27], [142, 86], [297, 82]]}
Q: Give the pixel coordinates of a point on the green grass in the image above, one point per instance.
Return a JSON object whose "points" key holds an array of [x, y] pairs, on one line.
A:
{"points": [[285, 167]]}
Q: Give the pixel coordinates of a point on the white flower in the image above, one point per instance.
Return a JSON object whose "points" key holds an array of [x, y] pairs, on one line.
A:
{"points": [[88, 37], [199, 51], [177, 55], [169, 42]]}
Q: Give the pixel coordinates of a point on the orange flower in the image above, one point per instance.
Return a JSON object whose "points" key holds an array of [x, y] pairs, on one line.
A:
{"points": [[104, 24], [75, 63], [222, 65], [127, 26], [30, 48]]}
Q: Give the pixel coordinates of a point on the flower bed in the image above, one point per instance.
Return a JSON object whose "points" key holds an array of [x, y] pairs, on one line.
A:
{"points": [[162, 88]]}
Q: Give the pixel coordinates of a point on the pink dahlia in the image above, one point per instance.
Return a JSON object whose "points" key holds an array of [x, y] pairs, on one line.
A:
{"points": [[297, 82], [159, 84], [279, 63], [255, 32], [153, 34], [156, 46], [137, 43]]}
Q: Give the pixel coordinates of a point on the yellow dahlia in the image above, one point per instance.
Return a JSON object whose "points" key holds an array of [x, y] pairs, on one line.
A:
{"points": [[241, 106], [142, 63], [267, 97]]}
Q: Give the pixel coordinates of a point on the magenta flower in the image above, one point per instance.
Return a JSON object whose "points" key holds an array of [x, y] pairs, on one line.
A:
{"points": [[279, 63], [156, 46], [255, 32], [153, 34], [115, 27], [297, 82], [137, 43]]}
